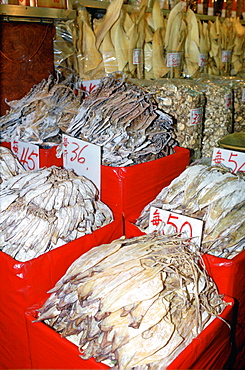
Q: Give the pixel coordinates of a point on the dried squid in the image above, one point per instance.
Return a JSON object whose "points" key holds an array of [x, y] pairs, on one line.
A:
{"points": [[9, 164], [210, 193], [125, 121], [43, 209], [133, 302], [40, 116]]}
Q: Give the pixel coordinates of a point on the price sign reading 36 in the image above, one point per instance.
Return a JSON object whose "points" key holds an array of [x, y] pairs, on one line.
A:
{"points": [[83, 157], [175, 223]]}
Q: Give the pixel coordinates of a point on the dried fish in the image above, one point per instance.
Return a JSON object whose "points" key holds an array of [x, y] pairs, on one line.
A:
{"points": [[131, 317], [9, 164], [210, 193], [125, 121], [51, 206]]}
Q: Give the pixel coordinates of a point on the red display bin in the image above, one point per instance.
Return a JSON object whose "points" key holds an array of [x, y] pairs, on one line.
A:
{"points": [[127, 190], [22, 283], [210, 350]]}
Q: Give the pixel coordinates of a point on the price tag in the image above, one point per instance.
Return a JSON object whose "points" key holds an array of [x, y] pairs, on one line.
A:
{"points": [[226, 56], [27, 153], [243, 94], [172, 222], [173, 59], [137, 56], [229, 158], [196, 116], [228, 100], [202, 60], [83, 157], [90, 85]]}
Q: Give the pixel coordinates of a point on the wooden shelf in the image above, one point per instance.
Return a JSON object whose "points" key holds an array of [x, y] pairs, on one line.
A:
{"points": [[34, 14]]}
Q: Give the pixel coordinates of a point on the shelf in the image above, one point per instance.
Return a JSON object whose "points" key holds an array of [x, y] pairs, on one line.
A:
{"points": [[34, 14]]}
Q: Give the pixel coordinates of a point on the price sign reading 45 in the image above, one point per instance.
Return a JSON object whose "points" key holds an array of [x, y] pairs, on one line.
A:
{"points": [[83, 157], [27, 153], [229, 158], [172, 222]]}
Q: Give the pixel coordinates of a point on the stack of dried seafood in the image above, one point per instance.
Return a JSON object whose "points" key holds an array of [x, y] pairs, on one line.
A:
{"points": [[40, 116], [44, 209], [210, 193], [239, 106], [9, 164], [136, 303], [183, 101], [125, 121]]}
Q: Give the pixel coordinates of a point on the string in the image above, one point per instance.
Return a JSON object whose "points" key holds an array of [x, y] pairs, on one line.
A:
{"points": [[32, 56]]}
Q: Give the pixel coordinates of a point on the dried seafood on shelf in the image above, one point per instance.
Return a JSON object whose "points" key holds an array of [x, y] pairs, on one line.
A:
{"points": [[134, 302], [40, 116], [125, 121], [43, 209], [210, 193]]}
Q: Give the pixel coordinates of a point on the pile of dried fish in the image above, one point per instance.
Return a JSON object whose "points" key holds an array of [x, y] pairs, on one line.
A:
{"points": [[43, 209], [9, 164], [125, 121], [40, 116], [134, 303], [210, 193]]}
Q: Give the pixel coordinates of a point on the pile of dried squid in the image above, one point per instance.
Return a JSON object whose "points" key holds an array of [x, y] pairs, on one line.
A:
{"points": [[134, 303], [212, 194], [41, 115], [43, 209], [125, 121]]}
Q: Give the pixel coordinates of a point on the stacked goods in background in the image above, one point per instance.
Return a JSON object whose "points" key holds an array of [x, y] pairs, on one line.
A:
{"points": [[152, 45]]}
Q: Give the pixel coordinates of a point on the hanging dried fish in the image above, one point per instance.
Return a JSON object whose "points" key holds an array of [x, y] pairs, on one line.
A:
{"points": [[43, 209], [125, 121], [210, 193], [133, 302]]}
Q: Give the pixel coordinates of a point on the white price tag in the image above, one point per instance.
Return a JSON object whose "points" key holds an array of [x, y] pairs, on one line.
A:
{"points": [[172, 222], [27, 153], [137, 56], [226, 56], [83, 157], [196, 116], [229, 158], [173, 59], [228, 100], [202, 60], [90, 85], [243, 94]]}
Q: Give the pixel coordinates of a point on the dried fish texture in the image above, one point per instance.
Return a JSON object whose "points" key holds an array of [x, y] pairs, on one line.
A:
{"points": [[239, 106], [125, 121], [40, 116], [185, 104], [9, 164], [218, 114], [212, 194], [43, 209], [133, 316]]}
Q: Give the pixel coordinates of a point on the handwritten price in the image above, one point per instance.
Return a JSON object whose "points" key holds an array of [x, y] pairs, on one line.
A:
{"points": [[170, 222], [233, 160], [27, 153], [77, 153]]}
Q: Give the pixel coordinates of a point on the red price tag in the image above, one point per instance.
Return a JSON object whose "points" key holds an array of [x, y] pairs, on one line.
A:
{"points": [[83, 157], [27, 153], [229, 158], [175, 223], [196, 116]]}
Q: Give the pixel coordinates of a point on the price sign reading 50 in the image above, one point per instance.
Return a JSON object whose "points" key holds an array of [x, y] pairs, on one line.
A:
{"points": [[83, 157], [175, 223], [27, 153], [229, 158]]}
